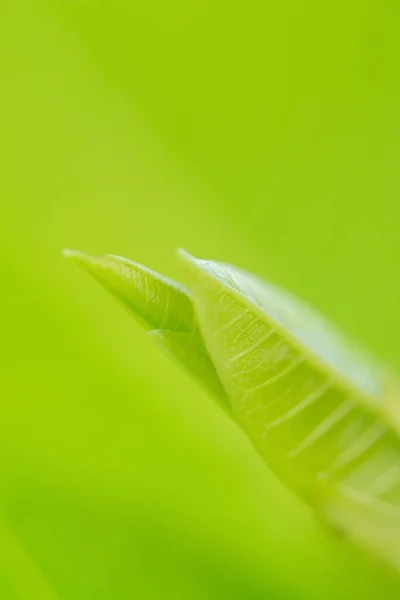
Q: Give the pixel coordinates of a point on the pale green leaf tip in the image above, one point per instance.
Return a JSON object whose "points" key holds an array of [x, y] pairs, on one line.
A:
{"points": [[191, 265], [185, 257], [199, 275], [94, 265], [98, 266], [74, 255], [80, 258]]}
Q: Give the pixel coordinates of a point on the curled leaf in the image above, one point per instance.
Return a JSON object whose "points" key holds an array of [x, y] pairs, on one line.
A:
{"points": [[156, 301], [315, 407], [163, 307], [312, 404]]}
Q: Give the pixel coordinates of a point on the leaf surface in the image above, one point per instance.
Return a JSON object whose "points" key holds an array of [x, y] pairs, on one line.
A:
{"points": [[164, 309], [318, 410], [312, 404]]}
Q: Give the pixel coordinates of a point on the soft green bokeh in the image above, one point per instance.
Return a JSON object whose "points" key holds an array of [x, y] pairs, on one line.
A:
{"points": [[265, 134]]}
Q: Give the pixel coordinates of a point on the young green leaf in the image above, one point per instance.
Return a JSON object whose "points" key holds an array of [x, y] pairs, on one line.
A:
{"points": [[313, 406], [156, 301], [319, 412], [163, 307]]}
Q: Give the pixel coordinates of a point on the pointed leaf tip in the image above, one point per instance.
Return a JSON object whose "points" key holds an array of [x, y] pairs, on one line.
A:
{"points": [[71, 254], [186, 259], [157, 302], [92, 264], [192, 267], [205, 275], [184, 255]]}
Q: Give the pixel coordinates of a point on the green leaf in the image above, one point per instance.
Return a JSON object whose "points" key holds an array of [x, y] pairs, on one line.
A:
{"points": [[163, 307], [312, 404], [156, 301], [317, 409]]}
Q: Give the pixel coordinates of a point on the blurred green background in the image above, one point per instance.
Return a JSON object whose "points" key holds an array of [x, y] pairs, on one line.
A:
{"points": [[264, 134]]}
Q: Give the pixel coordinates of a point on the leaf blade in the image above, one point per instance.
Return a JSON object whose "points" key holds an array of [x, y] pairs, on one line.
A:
{"points": [[163, 307], [156, 301], [307, 421]]}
